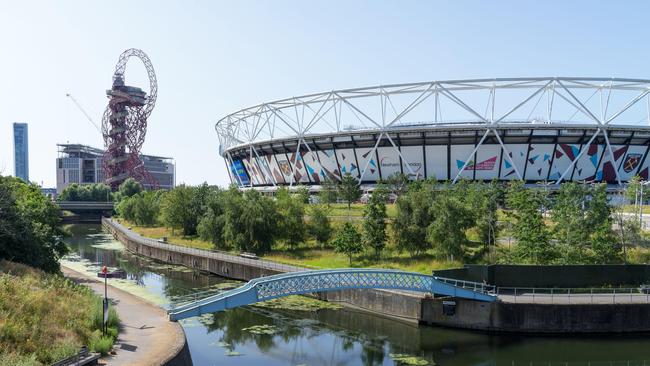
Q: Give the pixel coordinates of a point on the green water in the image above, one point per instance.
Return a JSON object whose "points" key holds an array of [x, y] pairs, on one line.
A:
{"points": [[333, 337]]}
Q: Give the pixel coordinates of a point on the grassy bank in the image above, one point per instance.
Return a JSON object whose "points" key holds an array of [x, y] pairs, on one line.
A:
{"points": [[45, 318]]}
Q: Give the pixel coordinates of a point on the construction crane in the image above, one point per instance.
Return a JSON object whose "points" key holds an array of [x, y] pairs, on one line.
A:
{"points": [[83, 111]]}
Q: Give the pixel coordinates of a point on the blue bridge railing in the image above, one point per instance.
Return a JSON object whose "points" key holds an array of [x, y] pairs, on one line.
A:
{"points": [[296, 283]]}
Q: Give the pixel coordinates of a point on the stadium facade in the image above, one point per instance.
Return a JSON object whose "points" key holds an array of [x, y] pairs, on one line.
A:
{"points": [[82, 164], [546, 129]]}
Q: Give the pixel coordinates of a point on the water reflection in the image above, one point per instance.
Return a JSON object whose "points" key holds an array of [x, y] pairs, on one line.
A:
{"points": [[340, 337]]}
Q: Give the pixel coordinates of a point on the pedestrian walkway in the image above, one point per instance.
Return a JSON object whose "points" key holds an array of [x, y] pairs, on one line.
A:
{"points": [[146, 336]]}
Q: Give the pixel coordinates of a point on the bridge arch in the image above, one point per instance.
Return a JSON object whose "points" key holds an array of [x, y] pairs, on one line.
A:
{"points": [[297, 283]]}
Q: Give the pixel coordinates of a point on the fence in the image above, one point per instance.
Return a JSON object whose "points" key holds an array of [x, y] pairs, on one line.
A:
{"points": [[212, 254]]}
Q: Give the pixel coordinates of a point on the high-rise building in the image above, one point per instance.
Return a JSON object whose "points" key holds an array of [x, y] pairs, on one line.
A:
{"points": [[83, 165], [21, 151]]}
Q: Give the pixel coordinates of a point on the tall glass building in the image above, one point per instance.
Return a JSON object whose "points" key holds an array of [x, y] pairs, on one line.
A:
{"points": [[21, 151]]}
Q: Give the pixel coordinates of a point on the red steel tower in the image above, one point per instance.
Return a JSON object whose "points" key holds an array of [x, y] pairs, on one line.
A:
{"points": [[124, 124]]}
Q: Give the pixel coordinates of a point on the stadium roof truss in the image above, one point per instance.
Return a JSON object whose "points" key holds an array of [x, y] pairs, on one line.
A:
{"points": [[492, 105]]}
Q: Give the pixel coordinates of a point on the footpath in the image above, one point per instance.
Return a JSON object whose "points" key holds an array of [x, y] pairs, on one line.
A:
{"points": [[146, 336]]}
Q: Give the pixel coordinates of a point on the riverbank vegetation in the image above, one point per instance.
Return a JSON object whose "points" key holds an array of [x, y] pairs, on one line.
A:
{"points": [[430, 225], [30, 230], [45, 318]]}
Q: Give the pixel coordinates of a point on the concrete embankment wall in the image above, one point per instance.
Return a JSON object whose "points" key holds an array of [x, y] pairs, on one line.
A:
{"points": [[538, 318], [224, 268], [387, 303]]}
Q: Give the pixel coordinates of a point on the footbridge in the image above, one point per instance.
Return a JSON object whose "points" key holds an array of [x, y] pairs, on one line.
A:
{"points": [[296, 283]]}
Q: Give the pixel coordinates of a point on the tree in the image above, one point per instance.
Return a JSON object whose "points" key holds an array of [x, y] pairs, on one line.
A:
{"points": [[348, 190], [413, 218], [30, 226], [291, 209], [319, 225], [130, 187], [250, 221], [348, 241], [482, 199], [447, 231], [147, 208], [212, 223], [86, 192], [177, 209], [604, 245], [374, 221], [529, 229], [398, 183], [570, 222], [328, 193]]}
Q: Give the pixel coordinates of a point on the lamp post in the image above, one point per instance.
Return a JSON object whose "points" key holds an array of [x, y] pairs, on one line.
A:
{"points": [[105, 302], [643, 183]]}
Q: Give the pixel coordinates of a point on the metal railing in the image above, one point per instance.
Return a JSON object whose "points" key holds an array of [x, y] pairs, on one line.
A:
{"points": [[211, 254], [469, 285], [594, 295]]}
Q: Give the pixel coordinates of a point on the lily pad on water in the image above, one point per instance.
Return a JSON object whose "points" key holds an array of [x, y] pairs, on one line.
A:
{"points": [[232, 353], [404, 359], [207, 319], [112, 245], [302, 323], [221, 344], [262, 329], [297, 303]]}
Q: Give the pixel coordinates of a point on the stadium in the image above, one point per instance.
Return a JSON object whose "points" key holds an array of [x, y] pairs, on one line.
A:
{"points": [[547, 129]]}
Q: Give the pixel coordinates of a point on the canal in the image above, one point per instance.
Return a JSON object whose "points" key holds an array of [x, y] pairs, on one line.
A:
{"points": [[282, 335]]}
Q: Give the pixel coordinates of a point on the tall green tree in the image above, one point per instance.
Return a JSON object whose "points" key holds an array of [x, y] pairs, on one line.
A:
{"points": [[570, 222], [349, 190], [98, 192], [250, 221], [291, 209], [329, 192], [413, 217], [374, 221], [319, 225], [529, 229], [482, 199], [211, 225], [604, 244], [30, 227], [348, 241], [130, 187], [178, 211], [447, 231]]}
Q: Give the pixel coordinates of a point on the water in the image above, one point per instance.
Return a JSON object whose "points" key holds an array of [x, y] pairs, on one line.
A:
{"points": [[334, 337]]}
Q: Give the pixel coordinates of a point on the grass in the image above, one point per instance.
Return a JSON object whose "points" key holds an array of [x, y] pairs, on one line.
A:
{"points": [[45, 318], [635, 209], [173, 236], [356, 210], [323, 258]]}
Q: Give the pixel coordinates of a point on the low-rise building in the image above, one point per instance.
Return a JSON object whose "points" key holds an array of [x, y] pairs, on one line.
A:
{"points": [[82, 164]]}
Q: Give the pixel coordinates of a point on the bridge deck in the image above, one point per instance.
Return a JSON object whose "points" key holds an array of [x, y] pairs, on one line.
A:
{"points": [[271, 287]]}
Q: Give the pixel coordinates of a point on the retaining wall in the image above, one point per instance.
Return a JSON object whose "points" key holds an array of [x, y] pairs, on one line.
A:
{"points": [[539, 318], [557, 276]]}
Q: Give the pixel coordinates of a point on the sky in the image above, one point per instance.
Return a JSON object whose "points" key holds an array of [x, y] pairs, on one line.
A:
{"points": [[213, 58]]}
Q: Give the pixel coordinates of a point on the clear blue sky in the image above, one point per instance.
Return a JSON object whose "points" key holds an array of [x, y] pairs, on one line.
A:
{"points": [[213, 58]]}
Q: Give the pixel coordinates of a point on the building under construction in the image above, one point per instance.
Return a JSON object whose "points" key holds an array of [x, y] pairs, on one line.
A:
{"points": [[83, 164]]}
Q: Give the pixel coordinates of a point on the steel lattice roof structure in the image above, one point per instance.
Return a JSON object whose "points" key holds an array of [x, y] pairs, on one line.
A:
{"points": [[604, 119]]}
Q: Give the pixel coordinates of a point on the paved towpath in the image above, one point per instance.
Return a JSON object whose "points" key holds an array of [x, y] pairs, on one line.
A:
{"points": [[146, 336]]}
